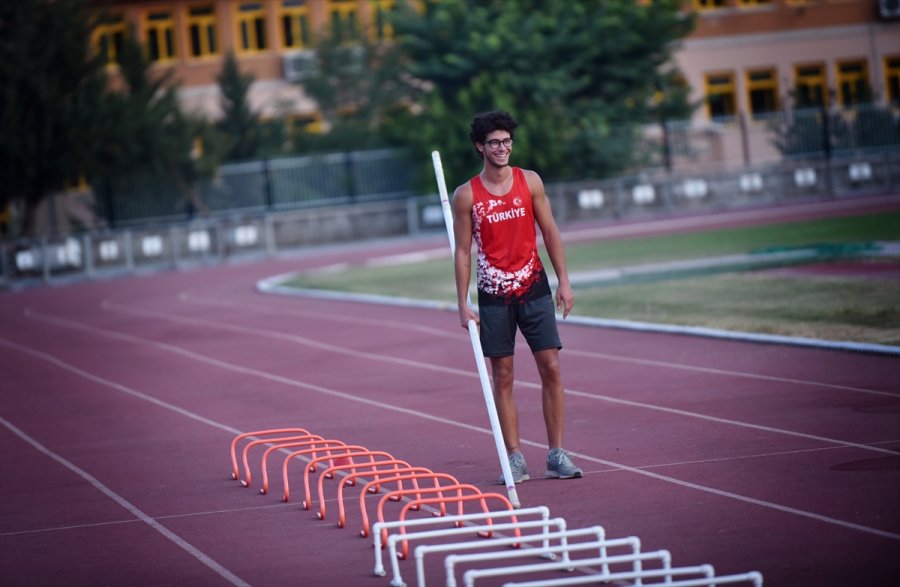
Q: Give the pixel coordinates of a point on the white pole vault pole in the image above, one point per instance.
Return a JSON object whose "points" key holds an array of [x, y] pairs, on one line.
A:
{"points": [[476, 344]]}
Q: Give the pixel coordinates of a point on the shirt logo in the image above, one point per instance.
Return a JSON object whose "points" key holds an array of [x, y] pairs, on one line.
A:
{"points": [[505, 215]]}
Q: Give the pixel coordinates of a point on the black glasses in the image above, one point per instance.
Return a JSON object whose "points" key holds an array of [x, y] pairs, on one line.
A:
{"points": [[495, 143]]}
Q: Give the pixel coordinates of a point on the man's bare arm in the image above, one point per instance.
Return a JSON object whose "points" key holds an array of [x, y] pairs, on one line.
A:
{"points": [[462, 256]]}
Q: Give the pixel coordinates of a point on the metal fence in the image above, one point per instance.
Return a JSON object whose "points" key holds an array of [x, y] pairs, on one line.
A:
{"points": [[745, 141], [260, 233], [655, 191], [260, 208], [254, 186]]}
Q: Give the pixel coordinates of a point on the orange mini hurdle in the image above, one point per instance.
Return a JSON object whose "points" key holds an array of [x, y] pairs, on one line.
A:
{"points": [[331, 445], [235, 473], [413, 474], [480, 497], [316, 445], [280, 440], [350, 478], [399, 494], [352, 451]]}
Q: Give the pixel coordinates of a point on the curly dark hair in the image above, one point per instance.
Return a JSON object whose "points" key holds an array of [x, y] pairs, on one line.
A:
{"points": [[487, 122]]}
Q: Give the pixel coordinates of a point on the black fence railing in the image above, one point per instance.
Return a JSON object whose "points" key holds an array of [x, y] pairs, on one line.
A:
{"points": [[276, 184]]}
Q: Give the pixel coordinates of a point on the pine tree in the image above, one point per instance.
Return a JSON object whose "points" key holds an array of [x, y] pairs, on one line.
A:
{"points": [[153, 140], [53, 102], [239, 125]]}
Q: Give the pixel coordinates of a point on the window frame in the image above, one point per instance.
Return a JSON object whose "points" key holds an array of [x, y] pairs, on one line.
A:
{"points": [[163, 31], [108, 37], [343, 13], [207, 31], [768, 86], [729, 88], [250, 30], [819, 81], [295, 19], [892, 79], [382, 30], [844, 78]]}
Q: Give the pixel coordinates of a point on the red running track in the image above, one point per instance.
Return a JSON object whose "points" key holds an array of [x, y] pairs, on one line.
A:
{"points": [[119, 400]]}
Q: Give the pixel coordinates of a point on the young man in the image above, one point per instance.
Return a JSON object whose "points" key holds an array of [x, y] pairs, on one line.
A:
{"points": [[498, 208]]}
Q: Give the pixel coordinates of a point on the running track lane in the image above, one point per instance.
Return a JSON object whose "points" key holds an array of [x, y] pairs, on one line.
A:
{"points": [[119, 400]]}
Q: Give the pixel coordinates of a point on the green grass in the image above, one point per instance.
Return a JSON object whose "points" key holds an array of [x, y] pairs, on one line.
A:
{"points": [[827, 308], [712, 243]]}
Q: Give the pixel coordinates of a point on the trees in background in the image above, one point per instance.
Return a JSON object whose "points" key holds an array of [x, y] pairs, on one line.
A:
{"points": [[240, 126], [62, 124], [580, 76], [150, 138], [53, 105], [359, 86]]}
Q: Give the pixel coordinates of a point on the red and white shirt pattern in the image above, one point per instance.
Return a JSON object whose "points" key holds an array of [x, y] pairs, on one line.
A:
{"points": [[509, 268]]}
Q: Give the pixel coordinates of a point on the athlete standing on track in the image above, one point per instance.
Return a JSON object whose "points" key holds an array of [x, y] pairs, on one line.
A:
{"points": [[498, 208]]}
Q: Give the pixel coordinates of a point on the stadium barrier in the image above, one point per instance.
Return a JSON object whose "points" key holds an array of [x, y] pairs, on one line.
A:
{"points": [[259, 232]]}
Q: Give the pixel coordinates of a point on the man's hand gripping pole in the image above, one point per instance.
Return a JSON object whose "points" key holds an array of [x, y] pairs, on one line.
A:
{"points": [[476, 345]]}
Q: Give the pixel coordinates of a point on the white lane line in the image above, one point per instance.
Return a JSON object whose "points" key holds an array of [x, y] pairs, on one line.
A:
{"points": [[726, 421], [464, 373], [415, 413], [726, 372], [185, 296], [169, 517], [486, 484], [179, 541], [753, 456]]}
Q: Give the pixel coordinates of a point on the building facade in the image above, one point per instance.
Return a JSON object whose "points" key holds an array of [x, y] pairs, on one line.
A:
{"points": [[745, 57], [191, 38], [753, 57]]}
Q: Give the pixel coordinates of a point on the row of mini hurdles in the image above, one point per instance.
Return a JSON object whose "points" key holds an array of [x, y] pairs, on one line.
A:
{"points": [[507, 542]]}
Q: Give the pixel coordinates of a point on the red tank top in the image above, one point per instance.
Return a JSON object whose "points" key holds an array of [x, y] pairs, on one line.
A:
{"points": [[509, 269]]}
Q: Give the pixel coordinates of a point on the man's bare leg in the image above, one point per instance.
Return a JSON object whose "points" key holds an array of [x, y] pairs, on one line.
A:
{"points": [[502, 372], [552, 395]]}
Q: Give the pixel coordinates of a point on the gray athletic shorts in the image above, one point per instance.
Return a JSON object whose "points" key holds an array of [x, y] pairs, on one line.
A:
{"points": [[536, 319]]}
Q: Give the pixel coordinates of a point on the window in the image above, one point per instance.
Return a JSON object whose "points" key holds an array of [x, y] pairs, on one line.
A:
{"points": [[810, 86], [853, 82], [381, 19], [720, 95], [251, 23], [295, 24], [762, 91], [202, 29], [160, 35], [892, 79], [709, 4], [108, 37], [343, 17]]}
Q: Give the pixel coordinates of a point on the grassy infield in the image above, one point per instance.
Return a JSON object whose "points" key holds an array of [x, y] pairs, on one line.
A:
{"points": [[862, 310]]}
